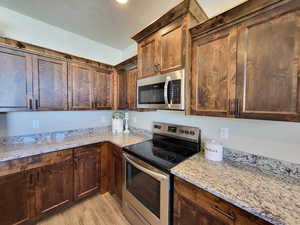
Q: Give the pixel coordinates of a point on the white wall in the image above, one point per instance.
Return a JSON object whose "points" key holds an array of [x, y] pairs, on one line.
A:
{"points": [[23, 28], [21, 123], [279, 140]]}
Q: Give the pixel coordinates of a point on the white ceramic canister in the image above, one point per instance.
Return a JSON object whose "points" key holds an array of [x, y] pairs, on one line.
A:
{"points": [[117, 126], [213, 150]]}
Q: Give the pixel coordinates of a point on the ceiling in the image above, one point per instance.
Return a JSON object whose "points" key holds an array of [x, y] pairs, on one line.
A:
{"points": [[105, 21]]}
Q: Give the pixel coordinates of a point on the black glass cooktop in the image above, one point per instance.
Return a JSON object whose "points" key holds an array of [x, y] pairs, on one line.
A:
{"points": [[163, 152]]}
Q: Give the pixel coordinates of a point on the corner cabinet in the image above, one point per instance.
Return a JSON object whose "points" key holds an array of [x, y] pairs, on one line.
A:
{"points": [[194, 206], [102, 89], [250, 69]]}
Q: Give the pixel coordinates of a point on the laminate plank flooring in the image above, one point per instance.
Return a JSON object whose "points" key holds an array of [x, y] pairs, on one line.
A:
{"points": [[97, 210]]}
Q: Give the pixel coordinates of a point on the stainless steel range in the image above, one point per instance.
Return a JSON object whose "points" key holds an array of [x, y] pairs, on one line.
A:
{"points": [[148, 183]]}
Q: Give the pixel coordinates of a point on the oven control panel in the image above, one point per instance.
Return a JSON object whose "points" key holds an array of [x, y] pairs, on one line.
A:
{"points": [[186, 132]]}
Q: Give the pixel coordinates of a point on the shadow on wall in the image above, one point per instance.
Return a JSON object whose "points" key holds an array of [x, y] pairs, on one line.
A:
{"points": [[3, 125]]}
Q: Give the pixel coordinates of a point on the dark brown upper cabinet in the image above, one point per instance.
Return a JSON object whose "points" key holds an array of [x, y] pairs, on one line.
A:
{"points": [[103, 88], [214, 74], [147, 54], [132, 88], [171, 47], [163, 45], [80, 87], [126, 77], [50, 83], [246, 62], [122, 89], [269, 65], [16, 80]]}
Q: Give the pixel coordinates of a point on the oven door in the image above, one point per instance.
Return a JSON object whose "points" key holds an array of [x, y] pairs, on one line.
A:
{"points": [[145, 193], [162, 92]]}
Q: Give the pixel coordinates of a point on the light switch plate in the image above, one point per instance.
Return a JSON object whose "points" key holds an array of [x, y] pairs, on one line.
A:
{"points": [[224, 133]]}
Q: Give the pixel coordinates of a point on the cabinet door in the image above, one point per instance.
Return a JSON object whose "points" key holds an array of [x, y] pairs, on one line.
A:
{"points": [[55, 187], [122, 90], [117, 163], [171, 47], [16, 199], [214, 74], [50, 84], [186, 212], [147, 57], [87, 176], [132, 88], [269, 65], [102, 90], [80, 87], [16, 81]]}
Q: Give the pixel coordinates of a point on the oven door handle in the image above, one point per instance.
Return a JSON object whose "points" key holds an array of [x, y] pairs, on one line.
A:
{"points": [[156, 175], [166, 91]]}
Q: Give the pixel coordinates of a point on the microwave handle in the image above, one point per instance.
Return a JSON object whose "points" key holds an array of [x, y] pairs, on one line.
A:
{"points": [[166, 90]]}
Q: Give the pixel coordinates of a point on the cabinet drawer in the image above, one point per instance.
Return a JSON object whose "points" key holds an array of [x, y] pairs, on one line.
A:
{"points": [[214, 205], [27, 163]]}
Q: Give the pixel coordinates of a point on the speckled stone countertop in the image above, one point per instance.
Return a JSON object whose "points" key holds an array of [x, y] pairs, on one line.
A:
{"points": [[273, 198], [15, 151]]}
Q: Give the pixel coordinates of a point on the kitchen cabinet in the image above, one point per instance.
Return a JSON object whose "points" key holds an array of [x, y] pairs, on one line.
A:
{"points": [[16, 80], [132, 88], [269, 64], [50, 83], [117, 171], [80, 87], [87, 170], [214, 73], [122, 89], [55, 185], [171, 47], [245, 63], [195, 206], [163, 46], [103, 88], [16, 198], [147, 57]]}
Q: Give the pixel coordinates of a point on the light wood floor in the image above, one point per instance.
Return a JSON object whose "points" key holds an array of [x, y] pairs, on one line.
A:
{"points": [[98, 210]]}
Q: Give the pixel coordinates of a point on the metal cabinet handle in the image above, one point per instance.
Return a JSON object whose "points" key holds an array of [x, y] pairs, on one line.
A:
{"points": [[237, 107], [230, 216], [30, 104], [36, 104]]}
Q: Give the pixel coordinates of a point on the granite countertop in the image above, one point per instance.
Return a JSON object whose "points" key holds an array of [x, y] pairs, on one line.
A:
{"points": [[273, 198], [16, 151]]}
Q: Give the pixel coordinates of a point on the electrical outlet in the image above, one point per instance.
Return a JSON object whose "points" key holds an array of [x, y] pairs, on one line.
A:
{"points": [[134, 119], [35, 124], [103, 119], [224, 133]]}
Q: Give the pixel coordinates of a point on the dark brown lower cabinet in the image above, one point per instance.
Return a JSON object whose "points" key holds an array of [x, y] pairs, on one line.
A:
{"points": [[87, 170], [194, 206], [117, 171], [55, 186], [16, 198]]}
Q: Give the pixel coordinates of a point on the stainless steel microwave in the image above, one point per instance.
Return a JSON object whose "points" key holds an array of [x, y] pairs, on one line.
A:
{"points": [[162, 92]]}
